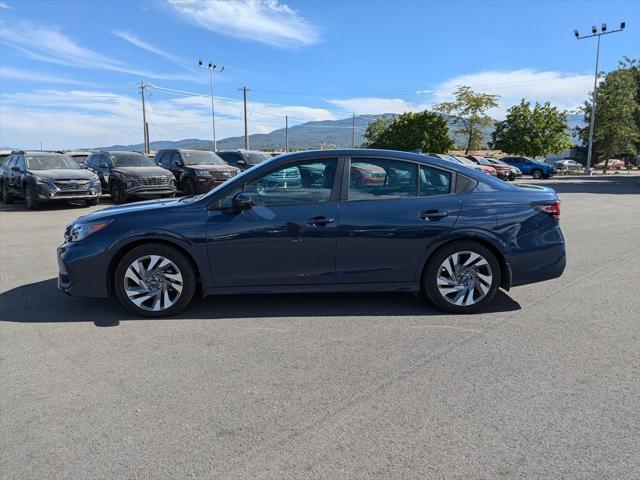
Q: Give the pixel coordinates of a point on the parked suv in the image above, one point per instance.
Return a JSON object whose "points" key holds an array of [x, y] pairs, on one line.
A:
{"points": [[530, 166], [43, 177], [130, 174], [243, 159], [196, 171]]}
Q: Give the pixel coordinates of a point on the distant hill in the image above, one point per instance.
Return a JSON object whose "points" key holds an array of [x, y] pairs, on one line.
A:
{"points": [[310, 135]]}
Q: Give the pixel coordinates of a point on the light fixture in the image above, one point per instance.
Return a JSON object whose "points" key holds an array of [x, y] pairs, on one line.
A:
{"points": [[622, 25], [604, 27], [594, 29], [200, 62], [575, 32]]}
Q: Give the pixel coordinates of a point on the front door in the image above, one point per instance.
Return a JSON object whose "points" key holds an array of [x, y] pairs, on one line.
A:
{"points": [[288, 237], [394, 211]]}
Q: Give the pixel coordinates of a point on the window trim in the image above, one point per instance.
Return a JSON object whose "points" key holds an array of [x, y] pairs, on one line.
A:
{"points": [[346, 175]]}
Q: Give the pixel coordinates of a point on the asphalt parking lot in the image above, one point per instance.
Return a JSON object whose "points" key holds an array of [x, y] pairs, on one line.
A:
{"points": [[545, 385]]}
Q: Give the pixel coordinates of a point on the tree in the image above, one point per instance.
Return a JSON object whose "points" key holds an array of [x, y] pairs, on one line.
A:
{"points": [[616, 131], [469, 111], [426, 131], [532, 132], [375, 129]]}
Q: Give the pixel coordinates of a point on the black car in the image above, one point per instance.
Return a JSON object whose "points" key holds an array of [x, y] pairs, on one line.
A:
{"points": [[196, 171], [130, 174], [243, 159], [45, 177]]}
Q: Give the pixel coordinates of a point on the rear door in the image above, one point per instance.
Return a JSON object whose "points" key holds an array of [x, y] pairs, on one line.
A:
{"points": [[393, 211]]}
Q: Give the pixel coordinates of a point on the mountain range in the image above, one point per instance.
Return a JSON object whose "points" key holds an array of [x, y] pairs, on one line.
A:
{"points": [[310, 135]]}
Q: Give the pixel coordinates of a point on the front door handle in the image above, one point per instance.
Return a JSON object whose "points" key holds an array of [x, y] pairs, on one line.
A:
{"points": [[433, 214], [319, 221]]}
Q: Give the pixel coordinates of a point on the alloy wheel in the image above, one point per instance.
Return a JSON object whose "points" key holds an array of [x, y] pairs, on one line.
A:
{"points": [[464, 278], [153, 283]]}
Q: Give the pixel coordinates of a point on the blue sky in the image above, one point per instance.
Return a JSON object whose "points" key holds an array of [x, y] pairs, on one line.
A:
{"points": [[68, 69]]}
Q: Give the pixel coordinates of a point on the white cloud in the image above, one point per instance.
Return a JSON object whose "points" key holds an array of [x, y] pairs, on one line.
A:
{"points": [[564, 90], [52, 46], [267, 21], [39, 77], [375, 105], [5, 6], [138, 42], [86, 118]]}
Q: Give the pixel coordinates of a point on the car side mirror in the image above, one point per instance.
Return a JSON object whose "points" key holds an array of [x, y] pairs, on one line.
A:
{"points": [[241, 162], [242, 201], [15, 168], [104, 165]]}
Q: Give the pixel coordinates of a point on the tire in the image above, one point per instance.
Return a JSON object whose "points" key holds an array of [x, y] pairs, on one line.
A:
{"points": [[537, 174], [180, 287], [467, 290], [187, 187], [31, 197], [546, 176], [4, 194], [118, 196], [91, 202]]}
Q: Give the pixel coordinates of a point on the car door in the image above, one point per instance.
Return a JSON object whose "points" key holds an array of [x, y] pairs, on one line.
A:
{"points": [[18, 170], [176, 165], [288, 237], [390, 218]]}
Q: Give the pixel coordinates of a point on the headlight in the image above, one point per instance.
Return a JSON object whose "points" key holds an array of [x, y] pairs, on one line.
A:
{"points": [[79, 231], [203, 173]]}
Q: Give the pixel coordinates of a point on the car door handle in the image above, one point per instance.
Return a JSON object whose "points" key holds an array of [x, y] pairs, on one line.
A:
{"points": [[433, 214], [319, 221]]}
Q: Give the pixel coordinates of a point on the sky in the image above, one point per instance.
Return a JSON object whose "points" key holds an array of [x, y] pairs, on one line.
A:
{"points": [[70, 70]]}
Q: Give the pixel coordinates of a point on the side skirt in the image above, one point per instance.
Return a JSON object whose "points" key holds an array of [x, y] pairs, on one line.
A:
{"points": [[319, 288]]}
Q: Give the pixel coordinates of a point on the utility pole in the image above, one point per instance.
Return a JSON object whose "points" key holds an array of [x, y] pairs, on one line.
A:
{"points": [[286, 133], [246, 134], [212, 67], [594, 33], [144, 119], [353, 130]]}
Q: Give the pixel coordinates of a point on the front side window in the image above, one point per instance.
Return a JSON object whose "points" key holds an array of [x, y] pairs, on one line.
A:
{"points": [[379, 179], [254, 158], [295, 184], [434, 182]]}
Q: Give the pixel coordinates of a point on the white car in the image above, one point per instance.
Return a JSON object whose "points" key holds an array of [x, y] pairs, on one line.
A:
{"points": [[567, 165]]}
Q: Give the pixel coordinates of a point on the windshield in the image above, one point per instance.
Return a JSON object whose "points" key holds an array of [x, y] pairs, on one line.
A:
{"points": [[79, 158], [483, 161], [256, 158], [50, 162], [201, 158], [131, 160]]}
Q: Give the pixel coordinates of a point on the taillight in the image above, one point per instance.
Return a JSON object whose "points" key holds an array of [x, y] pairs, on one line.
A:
{"points": [[552, 209]]}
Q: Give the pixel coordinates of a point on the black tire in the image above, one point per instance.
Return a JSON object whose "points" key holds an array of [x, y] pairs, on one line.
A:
{"points": [[179, 259], [91, 202], [546, 176], [118, 196], [431, 272], [4, 194], [537, 174], [31, 197], [187, 187]]}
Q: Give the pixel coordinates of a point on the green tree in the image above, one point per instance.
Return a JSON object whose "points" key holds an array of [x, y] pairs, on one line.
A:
{"points": [[375, 129], [426, 131], [469, 110], [616, 130], [533, 132]]}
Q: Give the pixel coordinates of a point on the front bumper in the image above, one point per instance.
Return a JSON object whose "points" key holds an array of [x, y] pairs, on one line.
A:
{"points": [[51, 193], [82, 269], [204, 184], [149, 191]]}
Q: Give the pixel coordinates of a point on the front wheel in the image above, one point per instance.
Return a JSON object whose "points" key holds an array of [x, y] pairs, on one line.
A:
{"points": [[537, 174], [117, 193], [4, 193], [91, 202], [154, 280], [187, 188], [461, 277], [31, 197]]}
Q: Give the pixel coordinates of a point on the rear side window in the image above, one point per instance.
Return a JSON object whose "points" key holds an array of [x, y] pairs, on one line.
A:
{"points": [[380, 179], [434, 182]]}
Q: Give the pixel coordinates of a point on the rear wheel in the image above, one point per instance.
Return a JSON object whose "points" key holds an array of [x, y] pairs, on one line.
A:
{"points": [[154, 280], [461, 277], [31, 197], [537, 174]]}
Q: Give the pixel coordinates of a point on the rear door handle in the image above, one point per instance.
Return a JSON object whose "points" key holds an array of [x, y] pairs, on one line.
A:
{"points": [[319, 221], [433, 214]]}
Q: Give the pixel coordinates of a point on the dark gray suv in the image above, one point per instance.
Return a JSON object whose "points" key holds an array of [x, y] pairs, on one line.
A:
{"points": [[130, 174], [243, 159]]}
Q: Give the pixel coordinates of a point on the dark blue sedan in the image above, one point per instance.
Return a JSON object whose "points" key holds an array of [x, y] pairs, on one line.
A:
{"points": [[414, 224]]}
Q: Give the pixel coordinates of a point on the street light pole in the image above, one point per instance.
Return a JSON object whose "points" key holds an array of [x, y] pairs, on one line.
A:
{"points": [[212, 67], [595, 33]]}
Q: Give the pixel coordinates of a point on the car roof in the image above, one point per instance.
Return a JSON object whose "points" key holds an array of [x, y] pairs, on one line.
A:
{"points": [[120, 152]]}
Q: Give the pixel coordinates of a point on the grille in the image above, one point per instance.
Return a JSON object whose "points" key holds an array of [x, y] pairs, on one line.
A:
{"points": [[224, 174], [154, 181], [66, 185]]}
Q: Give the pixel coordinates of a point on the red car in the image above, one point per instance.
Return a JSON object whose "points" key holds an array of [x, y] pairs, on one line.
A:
{"points": [[502, 171], [469, 163]]}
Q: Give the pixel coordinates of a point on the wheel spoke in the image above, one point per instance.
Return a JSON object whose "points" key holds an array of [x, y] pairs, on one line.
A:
{"points": [[153, 283], [463, 284]]}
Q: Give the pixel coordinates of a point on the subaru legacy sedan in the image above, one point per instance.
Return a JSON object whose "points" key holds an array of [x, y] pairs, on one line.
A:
{"points": [[428, 226]]}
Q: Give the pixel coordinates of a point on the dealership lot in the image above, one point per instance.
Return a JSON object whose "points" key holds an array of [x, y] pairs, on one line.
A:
{"points": [[330, 386]]}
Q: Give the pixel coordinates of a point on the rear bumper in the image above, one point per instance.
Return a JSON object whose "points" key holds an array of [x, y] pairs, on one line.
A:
{"points": [[550, 264]]}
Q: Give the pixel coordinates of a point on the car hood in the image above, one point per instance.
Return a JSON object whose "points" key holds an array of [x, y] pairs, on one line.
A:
{"points": [[140, 171], [214, 168], [137, 207], [65, 174]]}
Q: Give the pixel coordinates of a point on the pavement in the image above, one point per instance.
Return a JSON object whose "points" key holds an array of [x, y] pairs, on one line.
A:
{"points": [[546, 384]]}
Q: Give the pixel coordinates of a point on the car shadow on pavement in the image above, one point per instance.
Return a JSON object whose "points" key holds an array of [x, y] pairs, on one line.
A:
{"points": [[41, 302], [612, 184]]}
